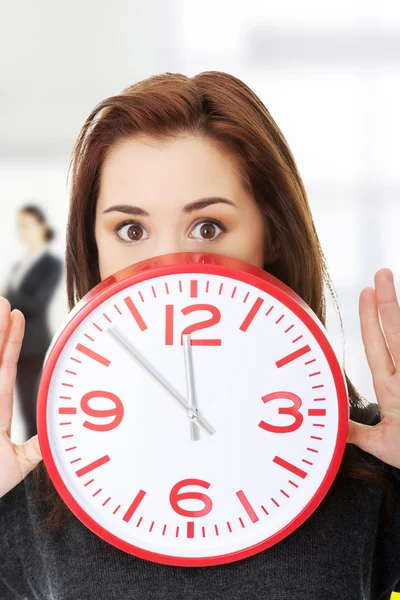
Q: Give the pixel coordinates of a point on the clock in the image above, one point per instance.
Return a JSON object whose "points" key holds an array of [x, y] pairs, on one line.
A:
{"points": [[192, 410]]}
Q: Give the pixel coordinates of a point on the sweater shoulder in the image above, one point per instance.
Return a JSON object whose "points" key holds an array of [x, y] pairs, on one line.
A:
{"points": [[14, 501], [14, 517]]}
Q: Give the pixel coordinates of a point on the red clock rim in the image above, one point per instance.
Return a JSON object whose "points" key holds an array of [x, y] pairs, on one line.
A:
{"points": [[212, 264]]}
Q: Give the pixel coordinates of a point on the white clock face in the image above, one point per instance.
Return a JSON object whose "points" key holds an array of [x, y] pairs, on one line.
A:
{"points": [[118, 444]]}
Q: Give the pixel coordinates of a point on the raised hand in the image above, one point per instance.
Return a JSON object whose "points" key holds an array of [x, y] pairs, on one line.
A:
{"points": [[16, 461], [382, 348]]}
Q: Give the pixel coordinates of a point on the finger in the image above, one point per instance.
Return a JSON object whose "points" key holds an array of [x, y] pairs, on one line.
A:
{"points": [[389, 311], [4, 321], [377, 353], [8, 368]]}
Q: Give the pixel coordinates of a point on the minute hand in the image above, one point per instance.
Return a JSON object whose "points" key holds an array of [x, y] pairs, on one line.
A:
{"points": [[150, 369]]}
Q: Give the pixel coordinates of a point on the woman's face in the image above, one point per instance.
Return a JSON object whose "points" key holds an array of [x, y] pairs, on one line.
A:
{"points": [[179, 195], [30, 231]]}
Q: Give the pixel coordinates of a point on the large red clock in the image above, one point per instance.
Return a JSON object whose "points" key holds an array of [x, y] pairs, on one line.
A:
{"points": [[192, 410]]}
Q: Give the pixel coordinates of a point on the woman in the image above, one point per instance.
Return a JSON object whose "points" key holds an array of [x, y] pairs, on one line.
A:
{"points": [[30, 289], [150, 168]]}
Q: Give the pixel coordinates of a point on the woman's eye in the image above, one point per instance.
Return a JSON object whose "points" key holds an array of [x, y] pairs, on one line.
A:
{"points": [[207, 230], [131, 232]]}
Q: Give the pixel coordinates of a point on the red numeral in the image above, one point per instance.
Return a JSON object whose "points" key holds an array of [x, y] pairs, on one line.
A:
{"points": [[169, 324], [117, 411], [293, 411], [213, 320], [175, 497]]}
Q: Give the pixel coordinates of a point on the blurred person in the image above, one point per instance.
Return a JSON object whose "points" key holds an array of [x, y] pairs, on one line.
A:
{"points": [[149, 170], [30, 288]]}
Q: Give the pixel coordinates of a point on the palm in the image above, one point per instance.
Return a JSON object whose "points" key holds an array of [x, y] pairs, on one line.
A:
{"points": [[16, 461], [382, 348]]}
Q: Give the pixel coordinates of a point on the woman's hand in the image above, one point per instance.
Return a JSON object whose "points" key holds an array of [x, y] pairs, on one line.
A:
{"points": [[15, 461], [383, 355]]}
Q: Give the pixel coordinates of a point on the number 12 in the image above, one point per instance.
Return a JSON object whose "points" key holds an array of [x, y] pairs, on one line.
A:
{"points": [[213, 320]]}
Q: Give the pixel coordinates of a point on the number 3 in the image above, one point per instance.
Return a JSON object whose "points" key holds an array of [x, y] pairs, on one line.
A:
{"points": [[293, 411]]}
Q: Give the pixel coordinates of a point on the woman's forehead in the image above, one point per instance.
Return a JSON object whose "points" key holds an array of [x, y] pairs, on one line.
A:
{"points": [[179, 170]]}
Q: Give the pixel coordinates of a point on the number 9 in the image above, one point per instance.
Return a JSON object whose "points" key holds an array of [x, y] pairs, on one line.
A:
{"points": [[117, 411]]}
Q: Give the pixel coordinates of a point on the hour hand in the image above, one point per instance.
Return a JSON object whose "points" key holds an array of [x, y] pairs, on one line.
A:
{"points": [[191, 392]]}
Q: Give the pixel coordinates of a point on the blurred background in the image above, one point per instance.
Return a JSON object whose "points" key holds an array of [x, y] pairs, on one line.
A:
{"points": [[327, 71]]}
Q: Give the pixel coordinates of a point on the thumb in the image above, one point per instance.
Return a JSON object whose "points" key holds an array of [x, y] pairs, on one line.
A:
{"points": [[365, 437], [30, 455]]}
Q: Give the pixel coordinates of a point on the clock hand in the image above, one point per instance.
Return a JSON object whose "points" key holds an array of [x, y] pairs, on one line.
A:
{"points": [[191, 393], [150, 369]]}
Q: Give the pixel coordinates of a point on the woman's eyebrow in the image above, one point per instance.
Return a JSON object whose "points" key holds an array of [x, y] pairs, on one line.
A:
{"points": [[128, 209], [204, 202]]}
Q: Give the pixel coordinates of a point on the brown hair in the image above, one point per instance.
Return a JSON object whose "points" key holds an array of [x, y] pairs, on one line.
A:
{"points": [[221, 108]]}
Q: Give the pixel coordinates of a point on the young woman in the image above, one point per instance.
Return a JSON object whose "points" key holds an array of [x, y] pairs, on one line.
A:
{"points": [[30, 288], [187, 164]]}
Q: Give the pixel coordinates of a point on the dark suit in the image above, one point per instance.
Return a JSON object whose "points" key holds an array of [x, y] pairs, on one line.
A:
{"points": [[32, 297]]}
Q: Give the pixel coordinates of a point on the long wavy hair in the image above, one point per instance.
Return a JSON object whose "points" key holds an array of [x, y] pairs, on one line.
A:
{"points": [[222, 109]]}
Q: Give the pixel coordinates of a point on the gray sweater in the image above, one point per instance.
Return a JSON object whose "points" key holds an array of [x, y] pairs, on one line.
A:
{"points": [[343, 551]]}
